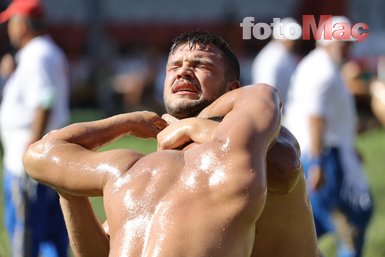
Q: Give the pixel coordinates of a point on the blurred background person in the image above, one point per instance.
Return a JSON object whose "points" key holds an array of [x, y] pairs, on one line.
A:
{"points": [[134, 78], [35, 101], [276, 62], [377, 92], [7, 66], [358, 82], [321, 114]]}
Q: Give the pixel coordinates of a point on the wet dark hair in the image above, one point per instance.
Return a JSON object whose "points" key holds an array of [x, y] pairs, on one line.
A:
{"points": [[204, 38]]}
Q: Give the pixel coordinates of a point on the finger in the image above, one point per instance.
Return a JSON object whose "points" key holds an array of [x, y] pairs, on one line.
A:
{"points": [[160, 124], [169, 118], [172, 139]]}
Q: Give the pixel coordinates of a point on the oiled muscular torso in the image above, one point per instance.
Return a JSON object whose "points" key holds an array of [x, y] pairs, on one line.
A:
{"points": [[199, 203], [204, 202]]}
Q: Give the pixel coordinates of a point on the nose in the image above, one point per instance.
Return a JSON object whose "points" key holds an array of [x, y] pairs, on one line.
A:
{"points": [[185, 72]]}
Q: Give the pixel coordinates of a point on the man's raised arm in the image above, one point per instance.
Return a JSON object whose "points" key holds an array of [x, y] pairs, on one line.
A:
{"points": [[250, 109], [65, 159], [283, 159]]}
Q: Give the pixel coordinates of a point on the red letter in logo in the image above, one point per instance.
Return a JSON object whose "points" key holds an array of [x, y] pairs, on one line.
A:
{"points": [[358, 34], [324, 26], [341, 31]]}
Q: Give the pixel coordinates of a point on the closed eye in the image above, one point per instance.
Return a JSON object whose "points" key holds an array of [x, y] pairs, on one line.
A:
{"points": [[203, 65], [173, 65]]}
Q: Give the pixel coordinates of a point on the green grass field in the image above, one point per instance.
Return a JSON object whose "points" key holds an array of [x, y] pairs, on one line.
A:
{"points": [[371, 145]]}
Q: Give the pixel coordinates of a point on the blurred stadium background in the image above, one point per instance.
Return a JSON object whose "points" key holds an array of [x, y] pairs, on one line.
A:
{"points": [[109, 42], [117, 50]]}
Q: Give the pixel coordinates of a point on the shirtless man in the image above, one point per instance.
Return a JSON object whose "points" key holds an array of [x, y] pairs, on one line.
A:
{"points": [[205, 191]]}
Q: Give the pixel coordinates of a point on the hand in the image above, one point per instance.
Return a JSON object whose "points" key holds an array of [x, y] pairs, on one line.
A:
{"points": [[150, 124], [182, 132], [169, 118], [175, 135]]}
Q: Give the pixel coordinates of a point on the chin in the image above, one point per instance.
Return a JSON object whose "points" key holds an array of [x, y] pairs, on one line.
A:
{"points": [[183, 113], [185, 110]]}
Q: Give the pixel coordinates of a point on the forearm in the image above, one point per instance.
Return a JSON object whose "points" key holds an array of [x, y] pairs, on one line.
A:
{"points": [[221, 106], [94, 134], [237, 97], [251, 108], [87, 236], [69, 152]]}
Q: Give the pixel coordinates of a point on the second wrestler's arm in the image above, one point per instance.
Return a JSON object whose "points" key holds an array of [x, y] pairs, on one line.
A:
{"points": [[87, 237], [65, 159]]}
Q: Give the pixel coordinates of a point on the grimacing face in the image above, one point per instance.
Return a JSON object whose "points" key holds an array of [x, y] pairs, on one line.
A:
{"points": [[194, 79]]}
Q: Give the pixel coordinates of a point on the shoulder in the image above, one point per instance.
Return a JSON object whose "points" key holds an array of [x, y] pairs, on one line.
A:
{"points": [[42, 48], [283, 163]]}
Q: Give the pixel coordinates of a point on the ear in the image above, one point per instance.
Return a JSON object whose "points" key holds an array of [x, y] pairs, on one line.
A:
{"points": [[233, 84]]}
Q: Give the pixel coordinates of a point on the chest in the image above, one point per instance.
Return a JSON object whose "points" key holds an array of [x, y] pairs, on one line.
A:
{"points": [[173, 176]]}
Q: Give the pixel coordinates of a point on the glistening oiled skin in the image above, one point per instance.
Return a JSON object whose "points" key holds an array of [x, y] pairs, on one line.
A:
{"points": [[202, 202], [205, 200], [285, 227], [198, 202]]}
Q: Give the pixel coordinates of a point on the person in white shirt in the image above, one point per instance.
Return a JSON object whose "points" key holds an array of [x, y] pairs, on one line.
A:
{"points": [[35, 101], [321, 114], [275, 63]]}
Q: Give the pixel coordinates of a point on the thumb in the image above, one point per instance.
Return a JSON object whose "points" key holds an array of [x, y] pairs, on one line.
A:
{"points": [[169, 118]]}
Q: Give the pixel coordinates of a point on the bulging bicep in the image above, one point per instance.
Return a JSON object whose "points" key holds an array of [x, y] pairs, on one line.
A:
{"points": [[76, 170]]}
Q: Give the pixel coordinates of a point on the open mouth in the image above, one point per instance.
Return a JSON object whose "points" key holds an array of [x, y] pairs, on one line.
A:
{"points": [[184, 88]]}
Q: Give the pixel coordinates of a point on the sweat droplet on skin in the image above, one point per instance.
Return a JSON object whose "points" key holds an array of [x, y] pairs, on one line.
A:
{"points": [[226, 146], [206, 161], [109, 169], [162, 225], [56, 159], [217, 177], [106, 168], [119, 182], [133, 232], [190, 182]]}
